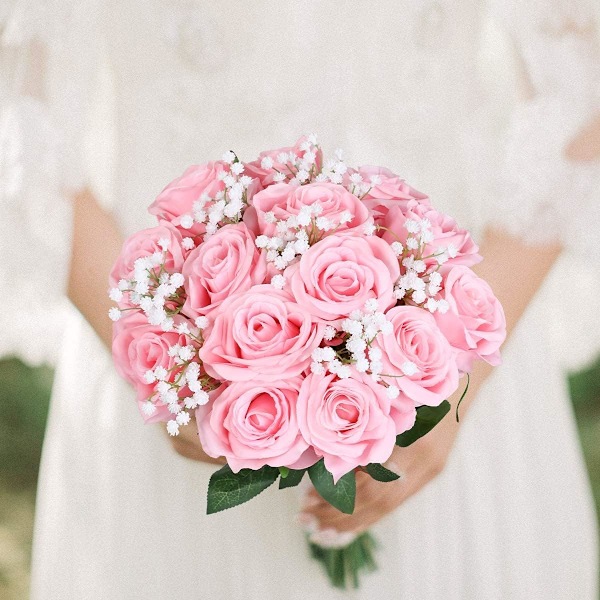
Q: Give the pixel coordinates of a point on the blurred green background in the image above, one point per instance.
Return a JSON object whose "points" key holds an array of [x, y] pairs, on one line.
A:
{"points": [[24, 399]]}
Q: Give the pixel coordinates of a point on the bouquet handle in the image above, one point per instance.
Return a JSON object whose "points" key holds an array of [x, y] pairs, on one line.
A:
{"points": [[345, 565]]}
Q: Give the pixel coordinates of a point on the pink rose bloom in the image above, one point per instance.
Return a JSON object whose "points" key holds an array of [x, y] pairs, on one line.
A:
{"points": [[445, 229], [475, 324], [347, 421], [285, 200], [390, 187], [226, 263], [138, 347], [145, 243], [340, 273], [266, 175], [253, 424], [260, 335], [177, 199], [417, 339], [391, 191]]}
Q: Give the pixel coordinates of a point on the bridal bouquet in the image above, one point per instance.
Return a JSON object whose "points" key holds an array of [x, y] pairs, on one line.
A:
{"points": [[310, 315]]}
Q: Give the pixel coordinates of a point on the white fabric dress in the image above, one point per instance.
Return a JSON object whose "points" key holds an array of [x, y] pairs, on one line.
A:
{"points": [[122, 96]]}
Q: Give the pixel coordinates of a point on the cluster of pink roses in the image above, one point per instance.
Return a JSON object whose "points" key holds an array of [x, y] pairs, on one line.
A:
{"points": [[302, 308]]}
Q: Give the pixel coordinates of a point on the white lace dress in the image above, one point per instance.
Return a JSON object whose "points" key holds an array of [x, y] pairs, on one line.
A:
{"points": [[122, 96]]}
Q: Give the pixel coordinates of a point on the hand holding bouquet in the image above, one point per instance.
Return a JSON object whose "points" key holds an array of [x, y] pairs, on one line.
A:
{"points": [[312, 315]]}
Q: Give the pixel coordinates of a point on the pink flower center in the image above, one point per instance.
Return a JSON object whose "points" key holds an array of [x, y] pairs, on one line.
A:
{"points": [[261, 412], [347, 412]]}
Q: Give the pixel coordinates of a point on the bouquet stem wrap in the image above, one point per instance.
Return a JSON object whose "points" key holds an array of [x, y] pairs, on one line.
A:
{"points": [[345, 565]]}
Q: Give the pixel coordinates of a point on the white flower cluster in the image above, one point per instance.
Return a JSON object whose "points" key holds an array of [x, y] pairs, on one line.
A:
{"points": [[359, 187], [301, 168], [419, 282], [296, 234], [359, 331], [326, 360], [168, 387], [154, 292], [227, 205], [184, 377], [334, 169], [150, 289]]}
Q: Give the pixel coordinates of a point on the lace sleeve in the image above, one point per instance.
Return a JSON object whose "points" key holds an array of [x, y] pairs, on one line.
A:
{"points": [[542, 195], [48, 55]]}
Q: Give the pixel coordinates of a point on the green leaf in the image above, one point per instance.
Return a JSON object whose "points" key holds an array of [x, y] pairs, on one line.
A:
{"points": [[427, 418], [463, 396], [380, 473], [292, 480], [341, 495], [284, 472], [227, 489], [344, 566]]}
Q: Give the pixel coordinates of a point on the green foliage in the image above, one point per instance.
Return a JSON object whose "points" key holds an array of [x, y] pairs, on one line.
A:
{"points": [[462, 397], [427, 418], [341, 494], [227, 489], [292, 479], [584, 387], [24, 401], [380, 473], [345, 565], [585, 393]]}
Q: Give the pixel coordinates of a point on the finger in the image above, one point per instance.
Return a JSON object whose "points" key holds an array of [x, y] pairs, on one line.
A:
{"points": [[319, 508], [311, 502], [312, 498], [368, 507], [189, 433], [374, 501], [330, 517], [354, 523], [186, 449]]}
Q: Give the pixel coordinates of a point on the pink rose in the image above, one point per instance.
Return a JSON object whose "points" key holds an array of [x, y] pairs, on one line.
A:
{"points": [[226, 263], [139, 347], [260, 335], [340, 273], [284, 200], [145, 243], [347, 421], [267, 173], [390, 186], [177, 199], [444, 228], [475, 324], [253, 424], [390, 191], [417, 339]]}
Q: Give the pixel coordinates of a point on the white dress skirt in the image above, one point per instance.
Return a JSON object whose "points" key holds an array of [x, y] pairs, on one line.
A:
{"points": [[133, 92]]}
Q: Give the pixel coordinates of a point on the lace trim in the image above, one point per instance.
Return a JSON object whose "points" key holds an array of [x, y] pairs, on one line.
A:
{"points": [[545, 197]]}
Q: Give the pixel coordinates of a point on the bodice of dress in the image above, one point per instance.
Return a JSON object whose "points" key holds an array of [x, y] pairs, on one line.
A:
{"points": [[385, 83], [139, 90]]}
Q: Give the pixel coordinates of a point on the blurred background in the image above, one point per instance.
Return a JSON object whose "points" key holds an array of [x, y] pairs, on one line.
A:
{"points": [[24, 401]]}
